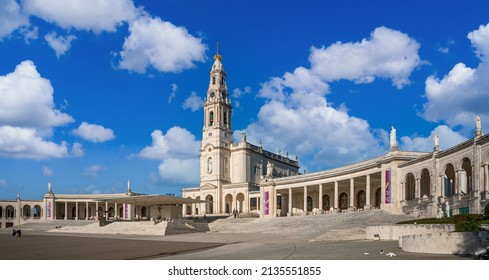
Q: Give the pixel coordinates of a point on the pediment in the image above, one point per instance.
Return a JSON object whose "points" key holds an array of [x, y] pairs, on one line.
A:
{"points": [[208, 187]]}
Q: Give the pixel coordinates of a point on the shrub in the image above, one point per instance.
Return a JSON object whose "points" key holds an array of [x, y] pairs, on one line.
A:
{"points": [[467, 222], [486, 212]]}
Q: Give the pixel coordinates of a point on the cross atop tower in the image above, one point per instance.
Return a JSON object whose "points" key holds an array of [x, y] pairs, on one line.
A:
{"points": [[217, 56]]}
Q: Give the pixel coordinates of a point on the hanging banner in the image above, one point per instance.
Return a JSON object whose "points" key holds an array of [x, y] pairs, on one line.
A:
{"points": [[388, 186], [126, 211], [265, 200]]}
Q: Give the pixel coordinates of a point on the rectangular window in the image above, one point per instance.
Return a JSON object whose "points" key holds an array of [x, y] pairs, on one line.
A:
{"points": [[253, 203]]}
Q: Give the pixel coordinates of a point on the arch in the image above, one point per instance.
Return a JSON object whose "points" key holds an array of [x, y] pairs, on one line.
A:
{"points": [[409, 187], [449, 180], [228, 200], [343, 201], [73, 213], [209, 208], [361, 199], [36, 211], [425, 182], [309, 204], [240, 202], [10, 212], [378, 197], [326, 202], [465, 176], [211, 118], [144, 213], [26, 211], [111, 212]]}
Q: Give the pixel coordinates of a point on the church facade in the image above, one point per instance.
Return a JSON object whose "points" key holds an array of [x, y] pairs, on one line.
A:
{"points": [[246, 178]]}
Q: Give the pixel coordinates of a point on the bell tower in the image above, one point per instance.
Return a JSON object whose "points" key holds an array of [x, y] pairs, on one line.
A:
{"points": [[217, 133]]}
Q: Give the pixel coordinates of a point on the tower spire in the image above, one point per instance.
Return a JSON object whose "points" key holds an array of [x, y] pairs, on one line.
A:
{"points": [[217, 56]]}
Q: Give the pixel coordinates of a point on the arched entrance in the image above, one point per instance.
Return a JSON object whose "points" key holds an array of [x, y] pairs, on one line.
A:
{"points": [[240, 202], [449, 180], [143, 213], [326, 202], [361, 199], [36, 212], [229, 203], [111, 213], [10, 212], [210, 205], [378, 197], [73, 213], [343, 201], [425, 183], [26, 212], [466, 176], [409, 187]]}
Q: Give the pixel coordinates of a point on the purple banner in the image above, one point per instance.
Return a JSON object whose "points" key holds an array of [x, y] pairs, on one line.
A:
{"points": [[388, 186], [265, 200], [126, 211]]}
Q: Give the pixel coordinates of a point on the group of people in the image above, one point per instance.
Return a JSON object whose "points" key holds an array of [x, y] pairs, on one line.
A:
{"points": [[235, 213], [16, 233]]}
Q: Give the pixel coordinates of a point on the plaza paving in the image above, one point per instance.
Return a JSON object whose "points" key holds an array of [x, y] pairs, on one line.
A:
{"points": [[324, 237]]}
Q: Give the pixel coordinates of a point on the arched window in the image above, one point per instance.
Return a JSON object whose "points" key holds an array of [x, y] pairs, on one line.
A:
{"points": [[210, 205], [409, 187], [209, 165], [211, 118], [36, 211], [213, 80], [449, 180], [111, 212], [326, 202], [222, 81], [26, 211], [225, 118], [10, 211], [425, 183]]}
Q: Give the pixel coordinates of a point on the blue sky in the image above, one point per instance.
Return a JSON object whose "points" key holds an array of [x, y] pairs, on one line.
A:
{"points": [[112, 90]]}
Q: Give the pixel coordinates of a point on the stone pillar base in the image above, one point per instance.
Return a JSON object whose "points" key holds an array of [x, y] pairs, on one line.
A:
{"points": [[304, 213], [367, 207], [351, 209], [289, 214]]}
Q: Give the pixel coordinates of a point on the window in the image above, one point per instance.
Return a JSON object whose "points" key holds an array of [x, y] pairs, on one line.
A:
{"points": [[225, 118], [211, 118], [213, 80], [253, 203]]}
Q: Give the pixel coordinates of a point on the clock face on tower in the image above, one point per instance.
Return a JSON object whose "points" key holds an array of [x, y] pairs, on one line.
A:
{"points": [[212, 94]]}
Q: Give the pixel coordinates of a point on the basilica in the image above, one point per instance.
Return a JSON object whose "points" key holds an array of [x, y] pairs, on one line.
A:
{"points": [[244, 178]]}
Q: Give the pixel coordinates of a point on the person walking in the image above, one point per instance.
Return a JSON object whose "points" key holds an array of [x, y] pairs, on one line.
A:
{"points": [[14, 233]]}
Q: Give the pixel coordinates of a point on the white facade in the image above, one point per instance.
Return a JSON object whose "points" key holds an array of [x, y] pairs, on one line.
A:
{"points": [[241, 176]]}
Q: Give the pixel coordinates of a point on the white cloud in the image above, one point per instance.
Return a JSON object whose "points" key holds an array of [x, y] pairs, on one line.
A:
{"points": [[92, 15], [178, 151], [155, 43], [180, 171], [29, 33], [59, 44], [388, 54], [298, 118], [94, 132], [27, 99], [448, 138], [27, 115], [77, 150], [17, 142], [193, 102], [463, 92], [11, 17], [444, 50], [238, 93], [92, 171], [3, 182], [173, 93], [47, 172]]}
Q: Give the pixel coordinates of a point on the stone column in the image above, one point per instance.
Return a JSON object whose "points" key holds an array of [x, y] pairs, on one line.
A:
{"points": [[282, 205], [66, 210], [290, 202], [305, 200], [367, 194], [96, 210], [320, 197], [352, 194], [76, 210], [417, 188], [336, 195], [456, 183], [86, 210], [106, 215]]}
